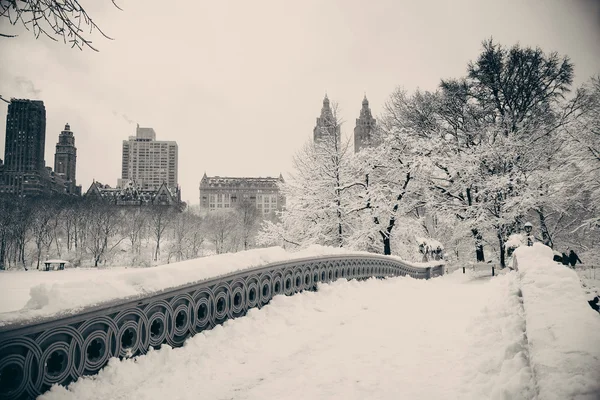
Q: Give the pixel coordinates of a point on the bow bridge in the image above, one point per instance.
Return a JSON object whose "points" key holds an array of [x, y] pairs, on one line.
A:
{"points": [[34, 355]]}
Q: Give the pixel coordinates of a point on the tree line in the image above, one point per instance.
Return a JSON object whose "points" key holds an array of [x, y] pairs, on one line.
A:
{"points": [[89, 232], [469, 163]]}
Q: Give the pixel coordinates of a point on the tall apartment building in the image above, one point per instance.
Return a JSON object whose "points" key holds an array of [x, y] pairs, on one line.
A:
{"points": [[149, 162], [365, 126], [24, 172], [65, 160], [326, 123], [225, 192]]}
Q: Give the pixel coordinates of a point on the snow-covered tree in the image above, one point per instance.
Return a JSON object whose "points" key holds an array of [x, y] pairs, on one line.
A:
{"points": [[386, 187], [582, 152], [317, 193]]}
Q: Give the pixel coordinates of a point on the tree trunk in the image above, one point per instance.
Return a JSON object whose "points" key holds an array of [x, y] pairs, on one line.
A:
{"points": [[502, 251], [387, 246], [2, 251], [545, 231], [479, 255]]}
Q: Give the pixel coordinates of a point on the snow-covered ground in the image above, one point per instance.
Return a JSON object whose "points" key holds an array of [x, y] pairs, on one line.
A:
{"points": [[590, 279], [32, 294], [448, 338]]}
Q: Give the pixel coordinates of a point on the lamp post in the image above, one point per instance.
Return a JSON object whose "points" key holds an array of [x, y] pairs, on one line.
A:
{"points": [[528, 227]]}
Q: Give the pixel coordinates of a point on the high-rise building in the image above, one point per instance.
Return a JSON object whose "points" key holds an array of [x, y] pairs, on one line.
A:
{"points": [[326, 123], [149, 162], [25, 135], [225, 193], [65, 159], [365, 125], [24, 168]]}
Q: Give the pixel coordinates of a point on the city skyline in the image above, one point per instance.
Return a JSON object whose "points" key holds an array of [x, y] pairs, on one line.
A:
{"points": [[240, 101]]}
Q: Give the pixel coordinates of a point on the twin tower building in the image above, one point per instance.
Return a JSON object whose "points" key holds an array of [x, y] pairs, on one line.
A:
{"points": [[327, 124]]}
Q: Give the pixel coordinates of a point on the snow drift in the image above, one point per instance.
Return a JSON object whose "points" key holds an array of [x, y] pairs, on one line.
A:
{"points": [[562, 328]]}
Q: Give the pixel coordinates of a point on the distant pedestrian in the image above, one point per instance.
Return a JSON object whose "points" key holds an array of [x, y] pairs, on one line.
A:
{"points": [[565, 259], [573, 258]]}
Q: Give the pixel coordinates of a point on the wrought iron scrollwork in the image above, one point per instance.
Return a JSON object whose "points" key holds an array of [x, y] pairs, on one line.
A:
{"points": [[36, 355]]}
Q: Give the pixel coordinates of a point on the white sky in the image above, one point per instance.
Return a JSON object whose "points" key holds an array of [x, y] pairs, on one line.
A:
{"points": [[238, 84]]}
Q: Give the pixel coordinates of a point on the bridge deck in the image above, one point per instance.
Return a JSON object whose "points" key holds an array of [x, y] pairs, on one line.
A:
{"points": [[378, 339]]}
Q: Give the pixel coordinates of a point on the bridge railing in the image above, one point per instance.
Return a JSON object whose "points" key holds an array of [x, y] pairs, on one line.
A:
{"points": [[36, 355]]}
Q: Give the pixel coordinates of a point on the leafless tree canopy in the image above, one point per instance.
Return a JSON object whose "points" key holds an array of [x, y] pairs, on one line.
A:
{"points": [[56, 19]]}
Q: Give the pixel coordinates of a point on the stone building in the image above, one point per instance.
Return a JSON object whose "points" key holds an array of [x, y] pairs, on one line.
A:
{"points": [[149, 162], [225, 192], [365, 126], [65, 160]]}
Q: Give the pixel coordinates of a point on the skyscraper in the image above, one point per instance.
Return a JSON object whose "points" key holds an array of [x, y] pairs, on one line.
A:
{"points": [[148, 162], [326, 123], [365, 125], [65, 159], [24, 148]]}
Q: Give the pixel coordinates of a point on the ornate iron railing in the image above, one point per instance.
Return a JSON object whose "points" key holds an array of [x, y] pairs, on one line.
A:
{"points": [[36, 355]]}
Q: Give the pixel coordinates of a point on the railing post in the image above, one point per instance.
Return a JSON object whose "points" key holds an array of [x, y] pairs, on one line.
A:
{"points": [[428, 273]]}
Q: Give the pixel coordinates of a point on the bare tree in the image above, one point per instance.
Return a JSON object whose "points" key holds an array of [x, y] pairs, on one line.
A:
{"points": [[55, 19], [160, 219], [42, 226], [183, 226], [248, 218], [103, 227], [7, 215], [221, 225], [134, 222]]}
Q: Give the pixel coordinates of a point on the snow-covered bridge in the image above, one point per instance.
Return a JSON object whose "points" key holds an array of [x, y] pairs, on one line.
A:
{"points": [[38, 350], [519, 335]]}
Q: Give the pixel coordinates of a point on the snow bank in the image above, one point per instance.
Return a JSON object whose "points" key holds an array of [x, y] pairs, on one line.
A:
{"points": [[562, 328], [398, 338], [43, 294]]}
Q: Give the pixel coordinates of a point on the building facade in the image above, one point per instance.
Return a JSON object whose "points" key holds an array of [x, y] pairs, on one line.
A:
{"points": [[65, 160], [326, 125], [132, 195], [225, 193], [365, 127], [149, 162], [24, 172]]}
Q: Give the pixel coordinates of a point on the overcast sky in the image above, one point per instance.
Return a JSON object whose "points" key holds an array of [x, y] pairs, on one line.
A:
{"points": [[238, 84]]}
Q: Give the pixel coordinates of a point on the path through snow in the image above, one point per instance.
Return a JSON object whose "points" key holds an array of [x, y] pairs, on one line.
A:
{"points": [[379, 339]]}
